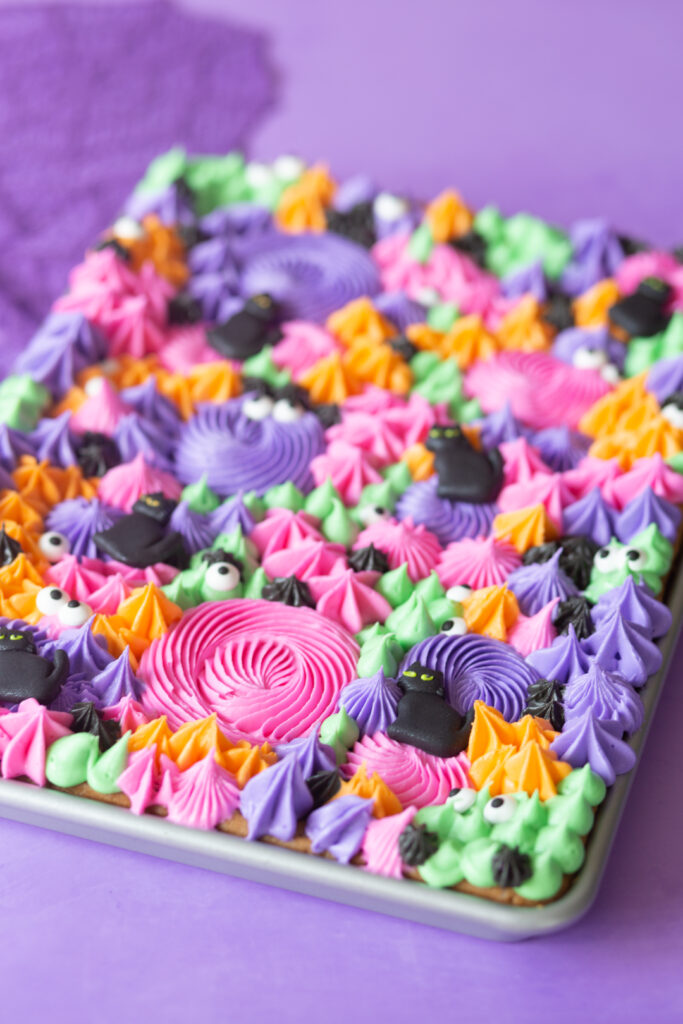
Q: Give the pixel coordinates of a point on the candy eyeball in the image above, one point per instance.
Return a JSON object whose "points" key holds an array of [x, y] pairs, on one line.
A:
{"points": [[589, 358], [54, 545], [369, 514], [288, 167], [74, 613], [388, 207], [454, 627], [500, 809], [51, 600], [258, 408], [635, 558], [609, 559], [285, 411], [674, 415], [94, 386], [610, 373], [258, 175], [222, 577], [128, 229], [458, 593], [462, 799]]}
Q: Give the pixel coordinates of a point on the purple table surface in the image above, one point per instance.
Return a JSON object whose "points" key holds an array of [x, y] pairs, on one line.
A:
{"points": [[566, 111]]}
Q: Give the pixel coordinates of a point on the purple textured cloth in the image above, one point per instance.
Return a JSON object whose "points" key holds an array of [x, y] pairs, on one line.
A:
{"points": [[565, 110]]}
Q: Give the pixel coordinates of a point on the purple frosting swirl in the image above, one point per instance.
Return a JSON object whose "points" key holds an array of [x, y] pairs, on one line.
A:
{"points": [[371, 702], [63, 346], [643, 510], [605, 695], [275, 799], [567, 343], [620, 646], [527, 280], [448, 520], [149, 403], [564, 660], [311, 755], [195, 529], [588, 740], [135, 435], [500, 426], [115, 681], [13, 444], [597, 253], [310, 275], [79, 519], [338, 827], [561, 448], [637, 605], [475, 667], [592, 516], [54, 440], [536, 585], [236, 453], [76, 688], [665, 377]]}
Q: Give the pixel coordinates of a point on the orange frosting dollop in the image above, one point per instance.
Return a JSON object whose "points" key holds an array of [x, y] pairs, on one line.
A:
{"points": [[148, 612], [523, 329], [592, 308], [448, 216], [330, 380], [358, 320], [374, 788], [419, 460], [155, 733], [491, 611], [15, 509], [525, 527], [160, 246], [302, 204], [378, 365], [468, 341]]}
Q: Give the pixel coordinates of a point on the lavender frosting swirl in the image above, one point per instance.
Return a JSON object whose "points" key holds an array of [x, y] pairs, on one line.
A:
{"points": [[475, 667], [448, 520], [310, 275], [236, 453]]}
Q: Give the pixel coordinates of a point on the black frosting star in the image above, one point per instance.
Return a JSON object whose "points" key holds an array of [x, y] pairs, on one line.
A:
{"points": [[356, 224], [368, 559], [511, 867], [544, 700], [87, 719], [97, 454], [323, 786], [288, 590], [416, 844], [574, 611], [9, 548]]}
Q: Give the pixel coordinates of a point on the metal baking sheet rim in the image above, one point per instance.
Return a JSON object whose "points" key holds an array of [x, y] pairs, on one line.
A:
{"points": [[288, 869]]}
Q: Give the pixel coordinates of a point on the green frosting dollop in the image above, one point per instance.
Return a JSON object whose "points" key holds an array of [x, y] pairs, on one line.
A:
{"points": [[396, 586], [411, 622], [379, 650], [285, 495], [200, 497], [340, 732]]}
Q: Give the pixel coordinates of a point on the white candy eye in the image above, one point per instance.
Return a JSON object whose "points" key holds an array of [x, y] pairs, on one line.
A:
{"points": [[127, 228], [428, 297], [258, 408], [287, 167], [500, 809], [285, 411], [609, 559], [674, 415], [454, 627], [635, 558], [388, 207], [458, 593], [222, 577], [589, 358], [610, 373], [258, 175], [74, 613], [93, 386], [54, 545], [462, 799], [50, 600], [369, 514]]}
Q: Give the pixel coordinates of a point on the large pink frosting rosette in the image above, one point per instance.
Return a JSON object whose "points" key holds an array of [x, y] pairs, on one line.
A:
{"points": [[270, 672]]}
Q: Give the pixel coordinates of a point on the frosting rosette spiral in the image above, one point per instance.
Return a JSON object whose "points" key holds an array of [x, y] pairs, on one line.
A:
{"points": [[236, 453], [270, 672]]}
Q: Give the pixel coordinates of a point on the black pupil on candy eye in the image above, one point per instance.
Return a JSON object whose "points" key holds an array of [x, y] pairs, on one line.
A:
{"points": [[497, 801], [55, 594], [632, 555], [603, 553], [223, 570], [379, 510], [454, 792], [54, 539], [73, 603], [448, 624]]}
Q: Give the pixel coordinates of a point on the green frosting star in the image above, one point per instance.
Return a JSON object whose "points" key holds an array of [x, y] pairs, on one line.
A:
{"points": [[516, 242], [643, 352], [338, 527], [22, 401], [200, 497], [103, 774], [379, 650], [421, 243], [398, 475], [320, 501], [285, 495], [164, 170], [411, 622], [442, 316], [340, 732], [396, 585], [261, 365], [75, 759]]}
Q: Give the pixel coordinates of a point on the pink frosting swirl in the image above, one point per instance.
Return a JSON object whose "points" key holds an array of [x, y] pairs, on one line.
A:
{"points": [[270, 672], [484, 562], [542, 391], [415, 777], [123, 485], [403, 542]]}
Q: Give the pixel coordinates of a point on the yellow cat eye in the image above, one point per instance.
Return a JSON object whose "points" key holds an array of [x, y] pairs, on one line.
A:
{"points": [[450, 433], [427, 679], [411, 675], [2, 636], [152, 501], [15, 636]]}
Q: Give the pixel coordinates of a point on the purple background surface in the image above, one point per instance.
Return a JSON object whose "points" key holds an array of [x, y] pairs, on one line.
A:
{"points": [[565, 110]]}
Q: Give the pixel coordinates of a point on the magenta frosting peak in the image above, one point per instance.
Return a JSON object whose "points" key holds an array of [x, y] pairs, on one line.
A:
{"points": [[236, 453], [116, 681], [562, 661], [643, 510], [620, 646], [79, 520], [338, 827], [204, 795], [538, 584], [447, 520], [592, 516], [371, 702], [604, 695], [312, 755], [636, 604], [476, 667], [196, 529], [274, 800], [54, 440], [588, 740]]}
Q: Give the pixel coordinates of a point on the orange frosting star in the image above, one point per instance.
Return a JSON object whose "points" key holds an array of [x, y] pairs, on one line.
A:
{"points": [[607, 415], [525, 527], [15, 509], [155, 733], [489, 731], [378, 365], [20, 582], [161, 246], [522, 328], [592, 308], [176, 387], [468, 341], [148, 612], [244, 760], [374, 788], [329, 380], [448, 216], [43, 485], [491, 611], [360, 321], [213, 382], [302, 204], [419, 460], [424, 337]]}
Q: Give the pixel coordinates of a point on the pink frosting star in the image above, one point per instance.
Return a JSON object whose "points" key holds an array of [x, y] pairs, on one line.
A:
{"points": [[535, 632], [349, 468], [310, 558], [651, 471], [124, 484], [484, 562], [403, 542], [522, 461], [25, 736], [283, 529], [347, 597]]}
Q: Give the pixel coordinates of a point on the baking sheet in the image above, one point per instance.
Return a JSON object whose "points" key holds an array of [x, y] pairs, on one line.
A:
{"points": [[288, 869]]}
